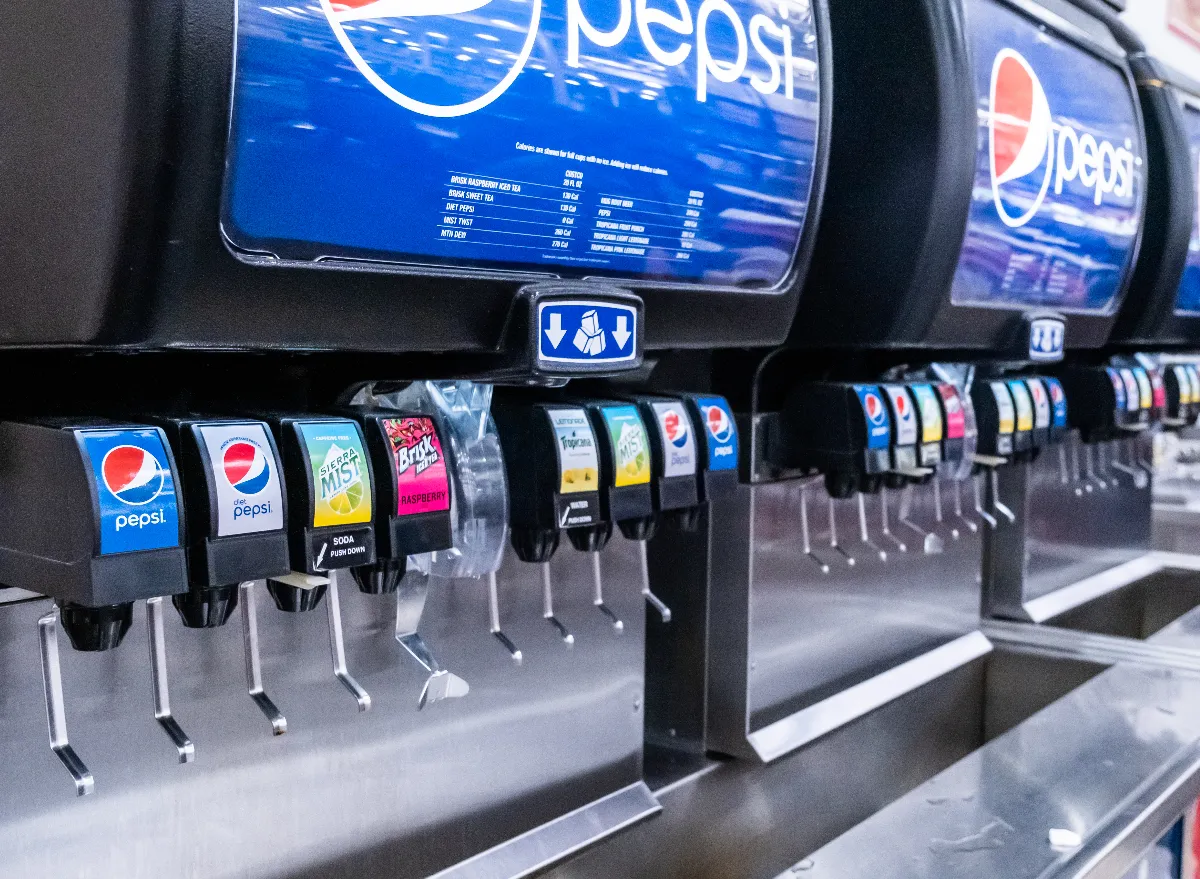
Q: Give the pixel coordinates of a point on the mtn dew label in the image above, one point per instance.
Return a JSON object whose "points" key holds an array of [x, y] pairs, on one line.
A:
{"points": [[340, 478], [631, 446]]}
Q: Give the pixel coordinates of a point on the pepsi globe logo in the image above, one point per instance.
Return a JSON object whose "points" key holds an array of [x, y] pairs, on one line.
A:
{"points": [[874, 409], [391, 42], [1024, 140], [133, 475], [1056, 393], [719, 424], [902, 409], [675, 428], [245, 465], [1036, 390]]}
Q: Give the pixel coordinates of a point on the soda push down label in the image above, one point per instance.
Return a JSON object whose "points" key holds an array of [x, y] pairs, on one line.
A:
{"points": [[135, 489]]}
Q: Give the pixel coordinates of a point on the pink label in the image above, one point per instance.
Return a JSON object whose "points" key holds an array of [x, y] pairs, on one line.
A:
{"points": [[422, 484], [956, 422]]}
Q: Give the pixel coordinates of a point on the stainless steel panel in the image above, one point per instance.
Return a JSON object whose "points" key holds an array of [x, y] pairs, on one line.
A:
{"points": [[784, 635], [393, 791], [1114, 762]]}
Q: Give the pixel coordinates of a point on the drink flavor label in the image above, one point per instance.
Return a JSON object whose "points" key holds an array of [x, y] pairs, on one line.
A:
{"points": [[904, 414], [1185, 384], [1024, 405], [245, 474], [1160, 389], [956, 419], [1006, 414], [879, 427], [931, 413], [135, 489], [422, 478], [1058, 399], [630, 445], [1118, 385], [1194, 379], [1041, 403], [578, 462], [678, 441], [722, 433], [340, 478], [1133, 394], [1145, 389]]}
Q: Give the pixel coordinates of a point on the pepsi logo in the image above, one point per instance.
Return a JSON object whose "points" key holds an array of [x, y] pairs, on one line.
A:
{"points": [[900, 400], [1056, 393], [245, 465], [675, 428], [1038, 394], [874, 408], [133, 475], [720, 427], [1024, 139]]}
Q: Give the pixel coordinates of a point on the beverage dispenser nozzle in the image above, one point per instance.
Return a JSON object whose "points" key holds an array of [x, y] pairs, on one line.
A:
{"points": [[413, 485], [331, 498]]}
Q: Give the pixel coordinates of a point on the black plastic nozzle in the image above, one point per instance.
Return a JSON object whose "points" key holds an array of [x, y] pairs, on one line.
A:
{"points": [[534, 545], [381, 578], [206, 608], [93, 629], [294, 599], [591, 539]]}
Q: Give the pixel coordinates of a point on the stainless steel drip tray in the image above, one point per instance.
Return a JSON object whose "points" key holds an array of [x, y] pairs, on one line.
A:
{"points": [[1132, 600], [724, 822], [1106, 769]]}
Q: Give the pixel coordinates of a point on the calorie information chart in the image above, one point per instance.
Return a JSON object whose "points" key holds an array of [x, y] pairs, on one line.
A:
{"points": [[564, 221]]}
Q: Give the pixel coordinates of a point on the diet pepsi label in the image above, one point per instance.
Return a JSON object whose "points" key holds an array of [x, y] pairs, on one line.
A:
{"points": [[904, 413], [135, 489], [879, 426], [245, 475], [721, 433], [678, 441]]}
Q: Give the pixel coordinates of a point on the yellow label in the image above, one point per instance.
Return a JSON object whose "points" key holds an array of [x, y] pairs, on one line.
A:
{"points": [[576, 451], [630, 446], [341, 480]]}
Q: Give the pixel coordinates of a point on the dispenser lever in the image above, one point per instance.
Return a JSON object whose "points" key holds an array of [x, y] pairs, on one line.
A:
{"points": [[864, 534], [338, 648], [56, 715], [410, 605], [548, 607], [162, 694], [663, 610], [254, 684], [494, 619], [598, 595]]}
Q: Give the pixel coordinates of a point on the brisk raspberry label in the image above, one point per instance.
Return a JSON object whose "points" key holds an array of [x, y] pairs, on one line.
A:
{"points": [[422, 479]]}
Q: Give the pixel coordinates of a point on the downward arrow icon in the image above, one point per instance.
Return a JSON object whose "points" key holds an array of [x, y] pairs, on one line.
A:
{"points": [[621, 333], [556, 332]]}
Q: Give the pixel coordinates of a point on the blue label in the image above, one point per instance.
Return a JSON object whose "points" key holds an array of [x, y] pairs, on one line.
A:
{"points": [[579, 137], [720, 433], [135, 489], [879, 425], [1188, 300], [1058, 401], [1059, 176], [586, 332], [1118, 385], [1046, 338]]}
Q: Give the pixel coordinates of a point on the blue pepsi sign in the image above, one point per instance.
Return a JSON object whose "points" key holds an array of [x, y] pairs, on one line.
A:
{"points": [[720, 433], [583, 137], [879, 425], [1188, 300], [1059, 180], [585, 332], [135, 489]]}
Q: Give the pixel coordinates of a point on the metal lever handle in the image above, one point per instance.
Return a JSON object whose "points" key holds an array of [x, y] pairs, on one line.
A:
{"points": [[997, 504], [931, 543], [410, 606], [651, 598], [338, 648], [864, 535], [548, 607], [1075, 467], [979, 510], [162, 694], [254, 684], [494, 620], [937, 507], [833, 538], [806, 544], [598, 595], [883, 506], [1063, 478], [958, 510], [1090, 471], [56, 715]]}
